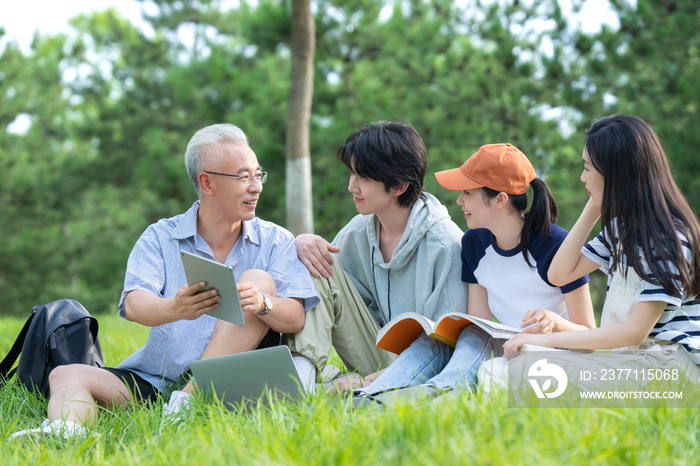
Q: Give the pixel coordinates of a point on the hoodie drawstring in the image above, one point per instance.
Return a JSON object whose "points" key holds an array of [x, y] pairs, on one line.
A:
{"points": [[376, 290]]}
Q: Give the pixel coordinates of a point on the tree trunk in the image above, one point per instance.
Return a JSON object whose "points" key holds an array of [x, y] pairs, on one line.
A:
{"points": [[298, 165]]}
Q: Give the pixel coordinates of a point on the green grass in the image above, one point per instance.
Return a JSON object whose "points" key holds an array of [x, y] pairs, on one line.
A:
{"points": [[324, 430]]}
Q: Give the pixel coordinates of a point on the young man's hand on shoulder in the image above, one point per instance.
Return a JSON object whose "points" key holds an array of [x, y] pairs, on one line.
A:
{"points": [[315, 253]]}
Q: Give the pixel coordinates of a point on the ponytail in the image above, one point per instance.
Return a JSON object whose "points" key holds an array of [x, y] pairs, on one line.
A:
{"points": [[543, 212]]}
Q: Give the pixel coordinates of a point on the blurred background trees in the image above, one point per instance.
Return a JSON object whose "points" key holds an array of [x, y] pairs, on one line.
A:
{"points": [[112, 109]]}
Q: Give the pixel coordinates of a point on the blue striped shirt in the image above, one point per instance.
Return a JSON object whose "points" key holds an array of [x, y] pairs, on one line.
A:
{"points": [[680, 321], [155, 266]]}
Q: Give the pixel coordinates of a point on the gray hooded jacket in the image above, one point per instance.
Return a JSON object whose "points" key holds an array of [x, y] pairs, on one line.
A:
{"points": [[424, 274]]}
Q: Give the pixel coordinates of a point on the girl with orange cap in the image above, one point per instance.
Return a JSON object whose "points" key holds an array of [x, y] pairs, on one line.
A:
{"points": [[506, 255]]}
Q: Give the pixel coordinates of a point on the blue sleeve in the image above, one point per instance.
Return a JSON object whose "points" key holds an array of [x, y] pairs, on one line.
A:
{"points": [[543, 249], [145, 269], [474, 244], [292, 278]]}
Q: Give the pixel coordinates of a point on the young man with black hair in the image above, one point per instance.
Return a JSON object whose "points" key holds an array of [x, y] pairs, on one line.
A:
{"points": [[401, 254]]}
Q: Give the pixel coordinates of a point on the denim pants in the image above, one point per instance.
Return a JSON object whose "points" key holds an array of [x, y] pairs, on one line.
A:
{"points": [[432, 363]]}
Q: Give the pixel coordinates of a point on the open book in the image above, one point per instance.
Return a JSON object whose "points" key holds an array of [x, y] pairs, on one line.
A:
{"points": [[405, 328]]}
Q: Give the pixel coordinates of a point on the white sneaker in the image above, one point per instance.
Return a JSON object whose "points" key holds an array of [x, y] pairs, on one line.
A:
{"points": [[175, 410], [65, 429]]}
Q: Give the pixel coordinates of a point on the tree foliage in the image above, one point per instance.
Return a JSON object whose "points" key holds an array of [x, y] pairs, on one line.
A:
{"points": [[649, 67], [112, 109]]}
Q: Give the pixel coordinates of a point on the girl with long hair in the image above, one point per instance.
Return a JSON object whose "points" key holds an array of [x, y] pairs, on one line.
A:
{"points": [[505, 259], [649, 246]]}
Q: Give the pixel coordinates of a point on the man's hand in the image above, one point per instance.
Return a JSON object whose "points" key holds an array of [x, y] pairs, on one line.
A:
{"points": [[539, 321], [251, 298], [315, 253], [189, 304]]}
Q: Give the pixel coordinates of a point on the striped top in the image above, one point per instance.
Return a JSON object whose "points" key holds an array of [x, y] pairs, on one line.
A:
{"points": [[680, 321], [155, 266]]}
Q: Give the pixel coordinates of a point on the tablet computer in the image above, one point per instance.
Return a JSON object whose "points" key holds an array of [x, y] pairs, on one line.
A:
{"points": [[219, 277]]}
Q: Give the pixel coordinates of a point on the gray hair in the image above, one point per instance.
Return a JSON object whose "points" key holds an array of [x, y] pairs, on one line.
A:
{"points": [[205, 146]]}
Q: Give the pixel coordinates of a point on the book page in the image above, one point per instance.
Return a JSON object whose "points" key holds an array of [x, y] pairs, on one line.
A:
{"points": [[502, 328], [451, 325]]}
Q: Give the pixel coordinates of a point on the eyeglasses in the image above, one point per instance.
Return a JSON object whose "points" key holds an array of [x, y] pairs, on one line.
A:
{"points": [[245, 180]]}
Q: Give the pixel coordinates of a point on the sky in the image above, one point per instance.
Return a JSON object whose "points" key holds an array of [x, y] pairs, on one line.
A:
{"points": [[21, 18]]}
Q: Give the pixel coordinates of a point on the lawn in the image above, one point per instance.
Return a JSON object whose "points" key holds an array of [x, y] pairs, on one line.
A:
{"points": [[324, 430]]}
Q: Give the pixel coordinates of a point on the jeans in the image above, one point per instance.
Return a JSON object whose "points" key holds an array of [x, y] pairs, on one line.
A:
{"points": [[432, 363]]}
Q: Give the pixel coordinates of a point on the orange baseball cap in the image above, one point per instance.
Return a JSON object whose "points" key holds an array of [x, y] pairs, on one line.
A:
{"points": [[501, 167]]}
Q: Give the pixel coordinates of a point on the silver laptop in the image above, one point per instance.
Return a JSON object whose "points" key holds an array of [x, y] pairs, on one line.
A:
{"points": [[246, 376]]}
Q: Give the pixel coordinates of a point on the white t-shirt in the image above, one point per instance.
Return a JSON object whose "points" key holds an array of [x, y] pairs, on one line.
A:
{"points": [[513, 286]]}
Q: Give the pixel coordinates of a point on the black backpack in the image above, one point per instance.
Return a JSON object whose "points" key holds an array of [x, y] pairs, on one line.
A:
{"points": [[61, 332]]}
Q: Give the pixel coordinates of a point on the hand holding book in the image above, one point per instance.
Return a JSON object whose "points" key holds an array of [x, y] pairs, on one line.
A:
{"points": [[539, 321]]}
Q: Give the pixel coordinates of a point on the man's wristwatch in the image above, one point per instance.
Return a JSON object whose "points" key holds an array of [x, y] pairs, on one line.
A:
{"points": [[268, 305]]}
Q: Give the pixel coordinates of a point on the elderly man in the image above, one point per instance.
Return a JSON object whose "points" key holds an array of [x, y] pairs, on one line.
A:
{"points": [[274, 287]]}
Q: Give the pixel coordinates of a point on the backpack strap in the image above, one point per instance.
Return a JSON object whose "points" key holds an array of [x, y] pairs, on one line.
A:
{"points": [[13, 354]]}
